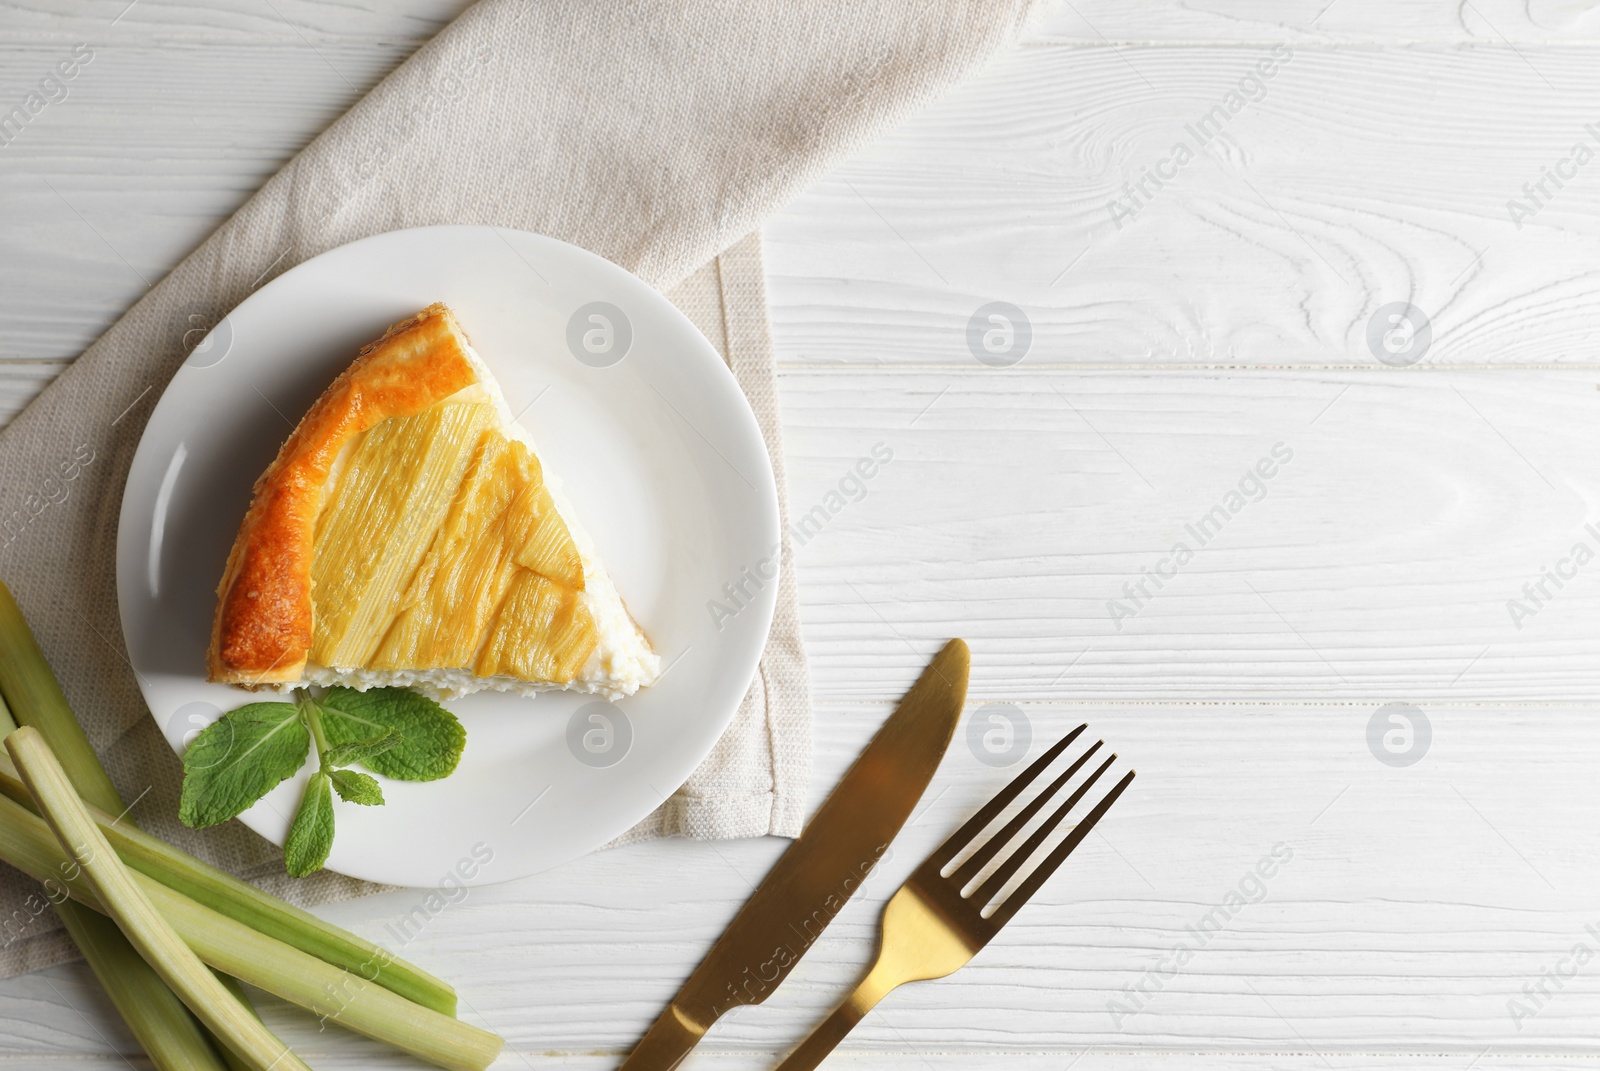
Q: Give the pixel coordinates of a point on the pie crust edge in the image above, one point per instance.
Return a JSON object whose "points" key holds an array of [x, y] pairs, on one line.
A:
{"points": [[262, 631]]}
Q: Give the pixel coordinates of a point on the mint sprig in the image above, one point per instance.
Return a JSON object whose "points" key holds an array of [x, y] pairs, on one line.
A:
{"points": [[430, 737], [240, 758], [248, 752], [354, 786], [311, 834], [362, 751]]}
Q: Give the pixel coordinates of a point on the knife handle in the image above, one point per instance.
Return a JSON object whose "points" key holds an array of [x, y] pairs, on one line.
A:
{"points": [[667, 1042], [815, 1048]]}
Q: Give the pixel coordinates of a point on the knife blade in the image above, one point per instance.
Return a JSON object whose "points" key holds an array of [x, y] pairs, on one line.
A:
{"points": [[811, 881]]}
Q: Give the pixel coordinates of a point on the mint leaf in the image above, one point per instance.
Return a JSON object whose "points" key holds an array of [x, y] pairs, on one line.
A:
{"points": [[356, 787], [311, 836], [238, 759], [431, 737], [361, 751]]}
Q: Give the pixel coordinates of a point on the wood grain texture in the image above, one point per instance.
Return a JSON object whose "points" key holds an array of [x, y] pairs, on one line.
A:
{"points": [[1494, 23], [1378, 563], [1488, 22], [1363, 176], [404, 24], [1415, 904], [98, 207], [1168, 357]]}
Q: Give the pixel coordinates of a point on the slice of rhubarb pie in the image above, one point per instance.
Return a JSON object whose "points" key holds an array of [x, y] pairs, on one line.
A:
{"points": [[407, 534]]}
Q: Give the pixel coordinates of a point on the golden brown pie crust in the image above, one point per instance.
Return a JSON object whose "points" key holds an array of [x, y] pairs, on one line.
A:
{"points": [[262, 631]]}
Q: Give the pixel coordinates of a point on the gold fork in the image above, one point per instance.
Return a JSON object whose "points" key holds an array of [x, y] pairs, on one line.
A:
{"points": [[930, 929]]}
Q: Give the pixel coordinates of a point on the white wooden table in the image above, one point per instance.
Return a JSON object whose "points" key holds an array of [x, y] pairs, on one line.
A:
{"points": [[1226, 314]]}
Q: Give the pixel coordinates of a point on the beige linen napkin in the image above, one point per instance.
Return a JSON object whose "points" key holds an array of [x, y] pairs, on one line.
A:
{"points": [[657, 135]]}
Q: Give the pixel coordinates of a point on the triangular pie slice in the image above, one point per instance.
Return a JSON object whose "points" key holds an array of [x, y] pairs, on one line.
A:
{"points": [[407, 534]]}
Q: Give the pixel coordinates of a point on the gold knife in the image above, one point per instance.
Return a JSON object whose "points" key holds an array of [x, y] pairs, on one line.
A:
{"points": [[812, 880]]}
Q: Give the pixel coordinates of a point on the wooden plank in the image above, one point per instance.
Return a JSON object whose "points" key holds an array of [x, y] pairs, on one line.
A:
{"points": [[1379, 563], [1367, 938], [1493, 23], [1277, 248], [1496, 23], [406, 23], [1414, 904], [1358, 180], [151, 149]]}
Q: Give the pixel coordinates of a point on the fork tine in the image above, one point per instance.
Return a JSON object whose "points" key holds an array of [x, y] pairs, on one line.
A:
{"points": [[991, 810], [1030, 886], [995, 882], [980, 858]]}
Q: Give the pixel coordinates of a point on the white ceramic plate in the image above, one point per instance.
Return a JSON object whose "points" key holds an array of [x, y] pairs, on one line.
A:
{"points": [[652, 440]]}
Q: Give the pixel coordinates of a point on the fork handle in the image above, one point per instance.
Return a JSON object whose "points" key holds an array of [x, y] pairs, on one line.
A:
{"points": [[816, 1047]]}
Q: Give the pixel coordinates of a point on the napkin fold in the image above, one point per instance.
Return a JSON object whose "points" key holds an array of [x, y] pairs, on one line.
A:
{"points": [[657, 135]]}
